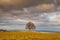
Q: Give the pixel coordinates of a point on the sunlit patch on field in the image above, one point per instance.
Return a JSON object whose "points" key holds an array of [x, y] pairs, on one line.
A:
{"points": [[45, 32]]}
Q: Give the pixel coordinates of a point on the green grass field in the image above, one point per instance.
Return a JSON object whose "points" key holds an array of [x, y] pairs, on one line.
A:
{"points": [[29, 35]]}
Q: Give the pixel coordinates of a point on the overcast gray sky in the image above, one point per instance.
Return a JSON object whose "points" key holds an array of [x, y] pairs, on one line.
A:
{"points": [[42, 13]]}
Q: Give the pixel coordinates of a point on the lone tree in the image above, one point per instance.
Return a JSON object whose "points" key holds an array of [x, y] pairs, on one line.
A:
{"points": [[30, 26]]}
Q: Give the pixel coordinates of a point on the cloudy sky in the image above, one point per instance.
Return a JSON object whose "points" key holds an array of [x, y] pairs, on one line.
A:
{"points": [[45, 14]]}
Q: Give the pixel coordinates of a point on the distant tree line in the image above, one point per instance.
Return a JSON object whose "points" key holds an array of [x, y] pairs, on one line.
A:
{"points": [[1, 30]]}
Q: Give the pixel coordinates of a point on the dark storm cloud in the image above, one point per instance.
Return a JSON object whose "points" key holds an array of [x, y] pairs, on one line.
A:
{"points": [[19, 4], [22, 3], [27, 2], [32, 11]]}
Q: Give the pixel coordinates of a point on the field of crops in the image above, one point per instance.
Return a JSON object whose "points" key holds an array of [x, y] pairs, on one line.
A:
{"points": [[29, 35]]}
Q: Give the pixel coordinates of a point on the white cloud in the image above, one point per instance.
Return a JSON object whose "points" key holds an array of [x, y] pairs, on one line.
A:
{"points": [[56, 18]]}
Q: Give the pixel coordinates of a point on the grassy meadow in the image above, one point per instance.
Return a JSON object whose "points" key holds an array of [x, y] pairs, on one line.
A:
{"points": [[29, 35]]}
